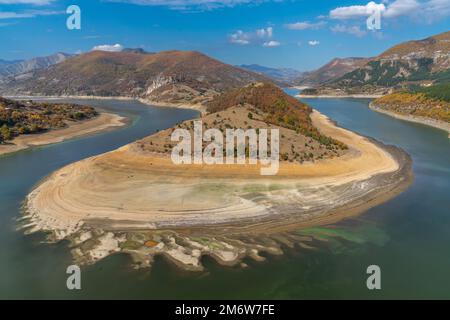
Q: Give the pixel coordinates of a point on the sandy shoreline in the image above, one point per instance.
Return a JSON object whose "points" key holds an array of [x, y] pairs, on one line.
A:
{"points": [[129, 190], [355, 96], [422, 120], [197, 107], [141, 204], [103, 122]]}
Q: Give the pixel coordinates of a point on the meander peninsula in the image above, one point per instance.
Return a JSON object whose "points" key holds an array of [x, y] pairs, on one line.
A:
{"points": [[136, 200]]}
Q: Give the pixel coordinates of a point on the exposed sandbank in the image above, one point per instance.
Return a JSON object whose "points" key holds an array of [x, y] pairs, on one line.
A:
{"points": [[125, 189], [143, 205]]}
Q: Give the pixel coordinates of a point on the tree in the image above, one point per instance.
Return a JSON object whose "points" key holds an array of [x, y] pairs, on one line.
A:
{"points": [[5, 133]]}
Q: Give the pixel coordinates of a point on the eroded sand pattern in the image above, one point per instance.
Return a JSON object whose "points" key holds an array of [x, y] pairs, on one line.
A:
{"points": [[144, 205]]}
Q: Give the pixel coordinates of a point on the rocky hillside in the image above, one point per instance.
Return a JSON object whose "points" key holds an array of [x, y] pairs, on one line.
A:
{"points": [[170, 77], [333, 70], [27, 117], [283, 75], [15, 68], [420, 62]]}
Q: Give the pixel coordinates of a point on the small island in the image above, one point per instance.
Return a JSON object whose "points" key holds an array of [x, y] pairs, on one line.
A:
{"points": [[30, 123]]}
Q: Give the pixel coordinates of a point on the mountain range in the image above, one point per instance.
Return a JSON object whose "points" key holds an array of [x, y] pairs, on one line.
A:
{"points": [[166, 77], [282, 75], [18, 67], [413, 63], [334, 69], [189, 77]]}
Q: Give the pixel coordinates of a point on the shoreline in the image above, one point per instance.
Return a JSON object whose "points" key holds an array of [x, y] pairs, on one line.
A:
{"points": [[140, 197], [197, 107], [355, 96], [325, 172], [103, 122], [421, 120]]}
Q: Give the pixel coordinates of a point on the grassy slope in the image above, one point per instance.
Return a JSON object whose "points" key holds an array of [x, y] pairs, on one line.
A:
{"points": [[277, 107]]}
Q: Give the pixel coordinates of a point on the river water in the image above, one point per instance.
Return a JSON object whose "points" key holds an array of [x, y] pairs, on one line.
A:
{"points": [[408, 237]]}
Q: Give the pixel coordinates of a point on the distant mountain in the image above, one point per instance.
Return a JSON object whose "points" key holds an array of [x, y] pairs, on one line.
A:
{"points": [[421, 62], [278, 74], [14, 68], [4, 63], [166, 77], [332, 70]]}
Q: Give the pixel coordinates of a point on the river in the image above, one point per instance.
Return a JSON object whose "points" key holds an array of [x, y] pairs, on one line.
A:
{"points": [[407, 236]]}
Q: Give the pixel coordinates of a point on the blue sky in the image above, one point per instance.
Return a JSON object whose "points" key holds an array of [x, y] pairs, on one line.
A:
{"points": [[277, 33]]}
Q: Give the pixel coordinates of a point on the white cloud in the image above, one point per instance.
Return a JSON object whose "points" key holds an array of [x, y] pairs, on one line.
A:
{"points": [[33, 2], [353, 30], [358, 11], [401, 8], [313, 43], [427, 9], [258, 36], [14, 15], [303, 25], [436, 9], [107, 47], [240, 37], [192, 4], [265, 33], [271, 43], [27, 14]]}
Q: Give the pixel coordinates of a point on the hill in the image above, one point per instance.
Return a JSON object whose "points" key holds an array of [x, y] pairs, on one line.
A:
{"points": [[15, 68], [283, 75], [420, 62], [332, 70], [260, 106], [428, 103], [171, 77], [439, 91]]}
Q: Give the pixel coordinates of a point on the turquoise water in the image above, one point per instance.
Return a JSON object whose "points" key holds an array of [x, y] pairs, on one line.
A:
{"points": [[408, 237]]}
